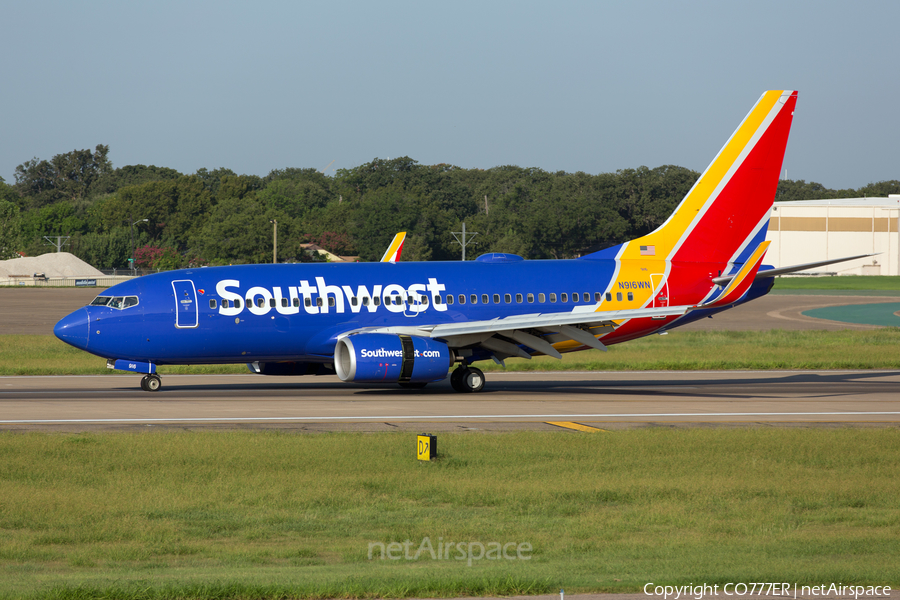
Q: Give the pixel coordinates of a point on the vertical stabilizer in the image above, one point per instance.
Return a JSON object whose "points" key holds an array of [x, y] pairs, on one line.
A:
{"points": [[725, 215]]}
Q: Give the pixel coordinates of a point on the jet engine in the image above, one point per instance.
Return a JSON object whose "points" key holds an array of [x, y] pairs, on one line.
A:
{"points": [[385, 357]]}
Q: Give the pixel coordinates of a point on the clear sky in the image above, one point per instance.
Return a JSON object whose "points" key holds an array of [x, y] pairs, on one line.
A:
{"points": [[572, 86]]}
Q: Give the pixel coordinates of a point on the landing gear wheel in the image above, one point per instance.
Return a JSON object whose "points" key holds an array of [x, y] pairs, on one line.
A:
{"points": [[151, 383], [473, 380], [467, 380], [413, 386], [456, 378]]}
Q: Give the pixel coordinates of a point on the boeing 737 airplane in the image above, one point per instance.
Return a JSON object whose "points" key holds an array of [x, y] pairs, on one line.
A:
{"points": [[412, 323]]}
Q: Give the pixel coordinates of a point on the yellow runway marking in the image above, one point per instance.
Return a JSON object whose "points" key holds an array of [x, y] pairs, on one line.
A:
{"points": [[576, 426]]}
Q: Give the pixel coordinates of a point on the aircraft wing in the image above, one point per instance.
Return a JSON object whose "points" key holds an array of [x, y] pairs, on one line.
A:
{"points": [[537, 331]]}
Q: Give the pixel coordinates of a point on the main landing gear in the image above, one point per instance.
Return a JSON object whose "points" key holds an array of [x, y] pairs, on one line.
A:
{"points": [[151, 383], [467, 379]]}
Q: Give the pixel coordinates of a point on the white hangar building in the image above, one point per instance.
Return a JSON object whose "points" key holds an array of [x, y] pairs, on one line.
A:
{"points": [[806, 231]]}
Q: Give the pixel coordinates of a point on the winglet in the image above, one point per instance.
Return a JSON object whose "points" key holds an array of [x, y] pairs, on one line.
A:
{"points": [[392, 254], [742, 281]]}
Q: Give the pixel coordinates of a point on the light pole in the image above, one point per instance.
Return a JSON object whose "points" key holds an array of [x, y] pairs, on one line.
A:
{"points": [[133, 268], [274, 240]]}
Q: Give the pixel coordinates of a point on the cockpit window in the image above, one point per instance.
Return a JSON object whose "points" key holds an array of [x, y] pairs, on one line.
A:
{"points": [[119, 302]]}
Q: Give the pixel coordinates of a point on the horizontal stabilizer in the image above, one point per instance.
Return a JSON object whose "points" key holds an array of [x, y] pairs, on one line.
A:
{"points": [[743, 279], [794, 269]]}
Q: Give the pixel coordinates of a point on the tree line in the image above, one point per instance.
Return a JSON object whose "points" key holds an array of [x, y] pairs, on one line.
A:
{"points": [[219, 217]]}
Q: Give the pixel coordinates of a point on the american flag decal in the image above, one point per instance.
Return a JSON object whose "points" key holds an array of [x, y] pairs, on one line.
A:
{"points": [[648, 250]]}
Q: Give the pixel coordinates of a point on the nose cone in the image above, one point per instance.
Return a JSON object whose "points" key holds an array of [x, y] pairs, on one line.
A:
{"points": [[74, 328]]}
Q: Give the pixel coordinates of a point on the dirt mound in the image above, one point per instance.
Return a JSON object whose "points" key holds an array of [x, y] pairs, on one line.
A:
{"points": [[53, 264]]}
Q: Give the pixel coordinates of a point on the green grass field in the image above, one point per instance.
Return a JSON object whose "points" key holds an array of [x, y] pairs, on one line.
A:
{"points": [[265, 515], [680, 350]]}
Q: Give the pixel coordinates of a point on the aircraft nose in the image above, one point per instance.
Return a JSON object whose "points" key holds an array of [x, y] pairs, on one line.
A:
{"points": [[73, 329]]}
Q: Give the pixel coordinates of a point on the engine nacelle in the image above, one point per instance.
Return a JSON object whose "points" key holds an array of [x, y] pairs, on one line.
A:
{"points": [[386, 357]]}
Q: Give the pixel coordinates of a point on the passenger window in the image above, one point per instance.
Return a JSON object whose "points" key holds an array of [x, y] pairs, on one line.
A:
{"points": [[237, 303], [484, 299], [462, 298], [296, 302], [619, 296], [425, 300], [575, 297], [630, 296], [224, 303], [496, 298], [307, 301], [398, 300], [597, 296], [519, 298], [212, 303], [376, 300], [330, 301], [564, 297], [586, 297], [284, 302], [449, 298], [260, 302], [542, 298], [365, 300], [319, 301], [507, 298], [437, 299], [552, 297], [530, 298], [353, 301], [608, 297], [474, 298]]}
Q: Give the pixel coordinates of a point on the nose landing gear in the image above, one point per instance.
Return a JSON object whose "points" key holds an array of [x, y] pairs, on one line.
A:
{"points": [[151, 383]]}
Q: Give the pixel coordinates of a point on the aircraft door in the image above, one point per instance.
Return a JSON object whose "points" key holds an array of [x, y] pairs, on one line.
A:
{"points": [[186, 309], [661, 299]]}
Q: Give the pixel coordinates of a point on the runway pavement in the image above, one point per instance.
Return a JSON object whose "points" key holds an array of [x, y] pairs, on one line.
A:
{"points": [[511, 401]]}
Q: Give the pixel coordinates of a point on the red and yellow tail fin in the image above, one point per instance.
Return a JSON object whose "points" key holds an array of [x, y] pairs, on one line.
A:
{"points": [[392, 254], [728, 207]]}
